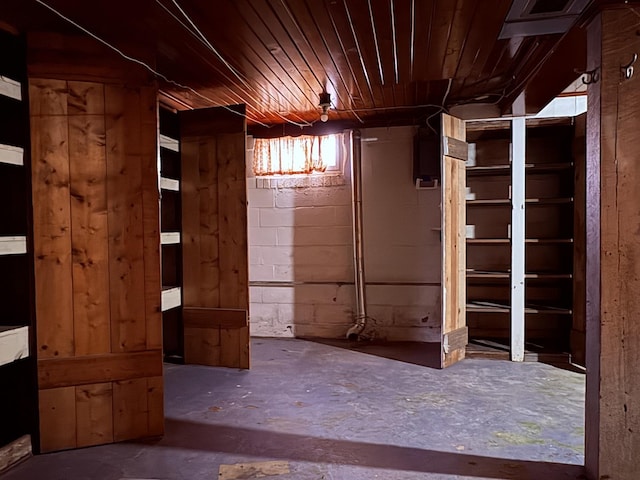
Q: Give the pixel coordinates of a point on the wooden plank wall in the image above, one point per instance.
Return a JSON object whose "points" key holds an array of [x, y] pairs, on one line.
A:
{"points": [[612, 418], [214, 229], [97, 268]]}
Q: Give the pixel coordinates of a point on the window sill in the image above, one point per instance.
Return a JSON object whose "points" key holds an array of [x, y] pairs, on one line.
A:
{"points": [[298, 181]]}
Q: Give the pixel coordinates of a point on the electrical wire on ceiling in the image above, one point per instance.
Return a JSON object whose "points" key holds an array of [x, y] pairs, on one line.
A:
{"points": [[303, 34], [201, 38], [442, 107], [236, 73], [143, 64]]}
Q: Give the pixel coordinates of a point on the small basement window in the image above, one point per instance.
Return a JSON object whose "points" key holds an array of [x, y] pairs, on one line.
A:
{"points": [[305, 154]]}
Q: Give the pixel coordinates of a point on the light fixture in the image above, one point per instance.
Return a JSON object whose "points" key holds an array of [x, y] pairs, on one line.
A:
{"points": [[325, 104]]}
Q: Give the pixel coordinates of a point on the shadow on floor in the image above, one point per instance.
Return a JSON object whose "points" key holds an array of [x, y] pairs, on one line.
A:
{"points": [[287, 446], [416, 353], [428, 354]]}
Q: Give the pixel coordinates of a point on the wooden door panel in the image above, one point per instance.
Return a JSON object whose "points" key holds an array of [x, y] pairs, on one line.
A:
{"points": [[96, 224], [454, 330], [215, 245]]}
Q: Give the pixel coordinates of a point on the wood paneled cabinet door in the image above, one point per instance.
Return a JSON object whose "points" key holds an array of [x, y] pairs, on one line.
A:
{"points": [[454, 336], [215, 244]]}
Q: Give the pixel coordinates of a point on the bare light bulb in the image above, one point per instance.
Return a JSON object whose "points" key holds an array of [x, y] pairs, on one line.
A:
{"points": [[325, 104]]}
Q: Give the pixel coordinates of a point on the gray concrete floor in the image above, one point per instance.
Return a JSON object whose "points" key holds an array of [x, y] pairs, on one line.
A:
{"points": [[326, 412]]}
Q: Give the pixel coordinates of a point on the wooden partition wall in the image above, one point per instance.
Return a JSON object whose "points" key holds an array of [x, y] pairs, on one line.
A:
{"points": [[214, 230], [96, 248]]}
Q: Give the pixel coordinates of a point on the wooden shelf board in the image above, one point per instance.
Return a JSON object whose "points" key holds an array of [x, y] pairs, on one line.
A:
{"points": [[480, 274], [14, 453], [10, 88], [528, 201], [170, 238], [474, 274], [169, 143], [505, 169], [169, 184], [13, 245], [532, 122], [487, 307], [11, 155], [491, 307], [548, 201], [14, 344], [171, 298], [548, 276], [506, 241]]}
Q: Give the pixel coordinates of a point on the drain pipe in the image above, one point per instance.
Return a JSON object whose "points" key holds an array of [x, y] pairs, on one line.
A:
{"points": [[358, 249]]}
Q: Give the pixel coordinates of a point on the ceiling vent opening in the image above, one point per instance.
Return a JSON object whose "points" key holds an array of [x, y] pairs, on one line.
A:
{"points": [[541, 17], [548, 6]]}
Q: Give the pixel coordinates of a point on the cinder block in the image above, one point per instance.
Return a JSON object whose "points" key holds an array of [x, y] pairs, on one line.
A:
{"points": [[311, 273], [261, 198], [321, 331], [423, 316], [262, 273], [333, 314], [310, 236], [343, 215], [280, 217], [322, 255], [403, 295], [255, 294], [313, 197], [380, 315], [277, 255], [346, 295], [314, 216], [287, 235], [266, 236], [277, 295], [255, 256], [291, 314], [402, 264], [253, 217], [323, 294], [340, 180], [273, 331], [285, 273], [263, 312]]}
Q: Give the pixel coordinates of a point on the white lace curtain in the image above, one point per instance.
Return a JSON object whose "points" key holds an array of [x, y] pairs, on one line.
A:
{"points": [[288, 155]]}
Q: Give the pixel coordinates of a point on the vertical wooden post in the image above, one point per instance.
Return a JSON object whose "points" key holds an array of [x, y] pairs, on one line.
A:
{"points": [[518, 135], [613, 250]]}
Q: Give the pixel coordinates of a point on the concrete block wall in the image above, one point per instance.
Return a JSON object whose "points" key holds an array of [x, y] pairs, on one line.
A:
{"points": [[401, 239], [301, 254]]}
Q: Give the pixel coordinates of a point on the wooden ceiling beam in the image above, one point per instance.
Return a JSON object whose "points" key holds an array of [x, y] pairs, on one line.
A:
{"points": [[563, 66]]}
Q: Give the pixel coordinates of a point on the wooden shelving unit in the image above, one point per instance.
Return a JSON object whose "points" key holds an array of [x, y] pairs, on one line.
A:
{"points": [[17, 367], [538, 273], [170, 236]]}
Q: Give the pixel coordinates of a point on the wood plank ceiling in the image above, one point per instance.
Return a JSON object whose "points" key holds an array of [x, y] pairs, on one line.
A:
{"points": [[382, 61]]}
